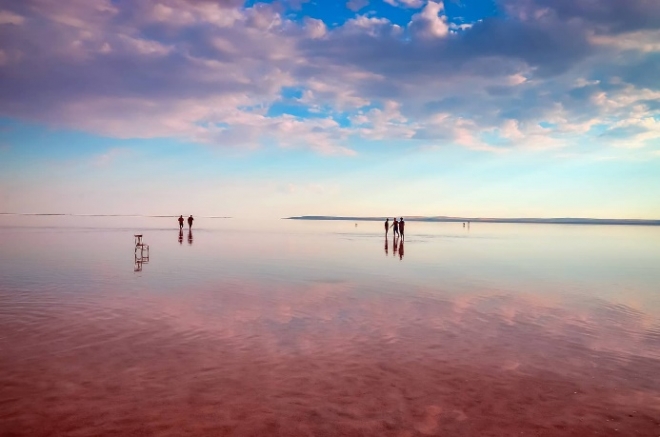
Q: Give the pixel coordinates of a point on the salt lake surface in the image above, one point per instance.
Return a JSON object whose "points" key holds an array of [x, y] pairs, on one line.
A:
{"points": [[298, 328]]}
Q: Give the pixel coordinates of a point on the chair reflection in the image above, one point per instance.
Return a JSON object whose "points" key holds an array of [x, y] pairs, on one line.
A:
{"points": [[139, 261]]}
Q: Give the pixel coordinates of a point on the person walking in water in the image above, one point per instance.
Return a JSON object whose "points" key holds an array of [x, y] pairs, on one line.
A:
{"points": [[387, 226], [190, 221], [180, 222], [395, 225], [402, 225]]}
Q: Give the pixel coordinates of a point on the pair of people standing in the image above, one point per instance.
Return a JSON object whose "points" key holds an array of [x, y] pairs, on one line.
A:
{"points": [[190, 222], [399, 226]]}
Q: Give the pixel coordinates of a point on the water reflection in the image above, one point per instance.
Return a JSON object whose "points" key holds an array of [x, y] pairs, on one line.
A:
{"points": [[180, 236], [139, 261], [190, 237], [330, 358], [478, 336]]}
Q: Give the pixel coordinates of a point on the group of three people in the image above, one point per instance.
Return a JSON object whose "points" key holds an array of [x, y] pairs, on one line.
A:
{"points": [[190, 222], [398, 226]]}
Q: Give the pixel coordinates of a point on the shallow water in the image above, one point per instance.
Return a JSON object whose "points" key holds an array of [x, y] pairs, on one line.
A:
{"points": [[326, 328]]}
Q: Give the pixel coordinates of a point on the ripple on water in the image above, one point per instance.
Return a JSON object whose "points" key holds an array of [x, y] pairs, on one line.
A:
{"points": [[323, 358]]}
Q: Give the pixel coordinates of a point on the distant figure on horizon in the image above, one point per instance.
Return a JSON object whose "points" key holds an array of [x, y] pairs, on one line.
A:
{"points": [[190, 221], [387, 227], [180, 222], [395, 225], [402, 225]]}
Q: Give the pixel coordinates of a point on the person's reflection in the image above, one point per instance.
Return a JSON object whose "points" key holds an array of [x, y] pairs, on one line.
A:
{"points": [[401, 250], [386, 251], [180, 236], [395, 243], [190, 238]]}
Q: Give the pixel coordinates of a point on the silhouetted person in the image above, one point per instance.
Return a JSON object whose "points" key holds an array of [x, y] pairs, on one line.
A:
{"points": [[190, 236], [190, 220], [180, 222], [395, 225], [386, 252], [401, 250], [402, 225], [463, 224], [181, 235], [387, 227]]}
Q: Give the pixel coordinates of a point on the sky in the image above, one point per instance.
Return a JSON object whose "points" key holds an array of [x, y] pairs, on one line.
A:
{"points": [[474, 108]]}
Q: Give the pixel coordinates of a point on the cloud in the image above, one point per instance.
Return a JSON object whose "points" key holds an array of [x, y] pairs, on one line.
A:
{"points": [[430, 23], [544, 74], [111, 156], [415, 4], [356, 5], [7, 17]]}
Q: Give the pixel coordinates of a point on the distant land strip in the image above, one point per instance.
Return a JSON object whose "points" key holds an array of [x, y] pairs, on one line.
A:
{"points": [[105, 215], [561, 221]]}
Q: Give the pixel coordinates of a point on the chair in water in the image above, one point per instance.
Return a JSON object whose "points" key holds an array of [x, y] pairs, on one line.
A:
{"points": [[141, 249]]}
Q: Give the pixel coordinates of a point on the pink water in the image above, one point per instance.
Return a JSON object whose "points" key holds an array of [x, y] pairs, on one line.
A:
{"points": [[313, 329]]}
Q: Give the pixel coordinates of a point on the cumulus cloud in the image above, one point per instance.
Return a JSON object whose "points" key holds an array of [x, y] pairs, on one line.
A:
{"points": [[430, 23], [213, 72]]}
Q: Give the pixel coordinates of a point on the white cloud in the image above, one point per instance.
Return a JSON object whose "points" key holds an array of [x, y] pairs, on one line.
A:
{"points": [[414, 4], [643, 41], [315, 28], [430, 23]]}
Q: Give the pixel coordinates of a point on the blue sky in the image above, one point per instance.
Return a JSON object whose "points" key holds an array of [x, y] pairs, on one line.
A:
{"points": [[523, 108]]}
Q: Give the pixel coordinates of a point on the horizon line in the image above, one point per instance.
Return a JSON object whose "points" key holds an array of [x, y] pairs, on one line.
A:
{"points": [[106, 215], [450, 219]]}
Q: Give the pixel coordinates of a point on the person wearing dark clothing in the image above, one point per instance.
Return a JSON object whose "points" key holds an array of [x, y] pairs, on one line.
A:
{"points": [[190, 221], [387, 226], [402, 225], [180, 222], [395, 225]]}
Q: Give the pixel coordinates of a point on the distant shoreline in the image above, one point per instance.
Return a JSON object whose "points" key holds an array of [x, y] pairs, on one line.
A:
{"points": [[441, 219], [105, 215]]}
